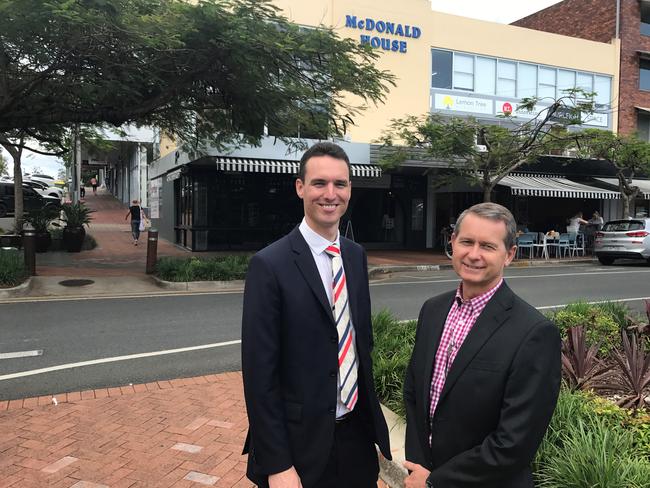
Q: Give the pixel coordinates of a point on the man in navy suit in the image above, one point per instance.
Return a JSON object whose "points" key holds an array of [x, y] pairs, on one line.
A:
{"points": [[314, 417], [484, 376]]}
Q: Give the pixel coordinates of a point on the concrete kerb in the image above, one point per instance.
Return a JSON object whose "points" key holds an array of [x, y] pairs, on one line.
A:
{"points": [[17, 291], [392, 472], [377, 271], [199, 286]]}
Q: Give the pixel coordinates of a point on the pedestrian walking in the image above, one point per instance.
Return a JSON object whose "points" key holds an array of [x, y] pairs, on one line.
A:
{"points": [[137, 218], [93, 183], [306, 339]]}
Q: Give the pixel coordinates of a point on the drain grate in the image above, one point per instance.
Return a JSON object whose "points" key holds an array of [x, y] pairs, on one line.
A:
{"points": [[76, 282]]}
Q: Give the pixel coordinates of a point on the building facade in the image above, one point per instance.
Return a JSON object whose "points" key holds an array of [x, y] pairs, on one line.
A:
{"points": [[245, 198], [622, 22]]}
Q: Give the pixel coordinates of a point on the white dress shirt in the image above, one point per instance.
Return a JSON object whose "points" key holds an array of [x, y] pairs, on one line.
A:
{"points": [[317, 244]]}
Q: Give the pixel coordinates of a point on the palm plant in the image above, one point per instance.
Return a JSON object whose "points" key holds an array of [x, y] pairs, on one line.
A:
{"points": [[41, 218], [634, 376], [76, 215]]}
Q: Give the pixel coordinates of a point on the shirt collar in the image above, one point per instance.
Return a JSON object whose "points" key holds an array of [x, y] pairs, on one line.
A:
{"points": [[316, 242], [479, 299]]}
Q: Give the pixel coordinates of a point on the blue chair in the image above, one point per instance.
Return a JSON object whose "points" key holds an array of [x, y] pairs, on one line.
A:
{"points": [[526, 241], [564, 244]]}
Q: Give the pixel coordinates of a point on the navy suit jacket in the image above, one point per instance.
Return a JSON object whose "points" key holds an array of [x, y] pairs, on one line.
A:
{"points": [[290, 359], [498, 397]]}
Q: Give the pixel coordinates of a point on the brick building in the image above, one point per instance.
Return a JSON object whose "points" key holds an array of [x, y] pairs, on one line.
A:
{"points": [[627, 21]]}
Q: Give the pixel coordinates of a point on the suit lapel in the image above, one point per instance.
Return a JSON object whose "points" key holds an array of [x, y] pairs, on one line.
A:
{"points": [[434, 332], [495, 313], [305, 262]]}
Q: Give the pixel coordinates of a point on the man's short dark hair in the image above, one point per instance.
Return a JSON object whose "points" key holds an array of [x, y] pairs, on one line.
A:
{"points": [[324, 148]]}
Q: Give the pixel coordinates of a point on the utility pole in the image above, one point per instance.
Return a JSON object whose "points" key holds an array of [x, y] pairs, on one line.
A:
{"points": [[76, 171]]}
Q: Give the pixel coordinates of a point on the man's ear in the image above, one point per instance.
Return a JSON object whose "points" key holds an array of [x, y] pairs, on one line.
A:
{"points": [[300, 188], [511, 255]]}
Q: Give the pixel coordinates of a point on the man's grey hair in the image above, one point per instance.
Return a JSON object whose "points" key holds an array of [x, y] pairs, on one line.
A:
{"points": [[496, 212]]}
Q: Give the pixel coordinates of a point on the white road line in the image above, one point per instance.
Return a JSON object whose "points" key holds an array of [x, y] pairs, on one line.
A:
{"points": [[514, 277], [548, 307], [92, 362], [21, 354]]}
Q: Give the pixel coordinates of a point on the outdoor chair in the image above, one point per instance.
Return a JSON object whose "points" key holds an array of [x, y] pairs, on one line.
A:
{"points": [[577, 244], [526, 241], [564, 245], [541, 246]]}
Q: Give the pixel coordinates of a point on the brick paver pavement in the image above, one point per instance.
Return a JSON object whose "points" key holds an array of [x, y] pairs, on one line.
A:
{"points": [[177, 433]]}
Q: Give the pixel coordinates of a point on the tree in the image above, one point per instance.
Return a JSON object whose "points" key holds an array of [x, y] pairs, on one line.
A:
{"points": [[628, 154], [215, 69], [485, 153]]}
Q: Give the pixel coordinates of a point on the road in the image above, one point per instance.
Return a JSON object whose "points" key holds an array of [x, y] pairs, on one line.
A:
{"points": [[104, 333]]}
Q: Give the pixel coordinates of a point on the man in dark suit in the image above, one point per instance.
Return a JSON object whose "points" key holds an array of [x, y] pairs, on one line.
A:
{"points": [[484, 376], [306, 341]]}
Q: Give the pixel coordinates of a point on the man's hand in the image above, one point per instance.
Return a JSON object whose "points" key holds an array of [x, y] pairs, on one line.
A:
{"points": [[418, 476], [285, 479]]}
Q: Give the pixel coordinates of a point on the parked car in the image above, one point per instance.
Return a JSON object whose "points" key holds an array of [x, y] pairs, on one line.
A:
{"points": [[44, 189], [625, 239], [49, 180], [31, 199]]}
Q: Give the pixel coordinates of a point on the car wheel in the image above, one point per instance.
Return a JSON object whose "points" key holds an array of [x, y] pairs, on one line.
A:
{"points": [[3, 211], [605, 260]]}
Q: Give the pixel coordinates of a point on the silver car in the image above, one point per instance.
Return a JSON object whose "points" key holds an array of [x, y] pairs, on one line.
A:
{"points": [[626, 239]]}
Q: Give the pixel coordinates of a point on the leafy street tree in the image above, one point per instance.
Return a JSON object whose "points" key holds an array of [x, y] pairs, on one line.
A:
{"points": [[215, 70], [628, 154], [484, 153]]}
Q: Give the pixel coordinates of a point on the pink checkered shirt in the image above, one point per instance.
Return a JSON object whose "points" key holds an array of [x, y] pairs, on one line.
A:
{"points": [[460, 320]]}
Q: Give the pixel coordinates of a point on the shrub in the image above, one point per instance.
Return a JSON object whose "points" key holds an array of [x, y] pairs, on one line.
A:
{"points": [[12, 268], [600, 322], [223, 268], [394, 342], [592, 443]]}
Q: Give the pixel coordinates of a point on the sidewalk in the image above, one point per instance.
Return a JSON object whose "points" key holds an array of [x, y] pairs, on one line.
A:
{"points": [[178, 433]]}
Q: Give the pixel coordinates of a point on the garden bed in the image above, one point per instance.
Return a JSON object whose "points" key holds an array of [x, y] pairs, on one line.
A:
{"points": [[591, 441], [222, 268]]}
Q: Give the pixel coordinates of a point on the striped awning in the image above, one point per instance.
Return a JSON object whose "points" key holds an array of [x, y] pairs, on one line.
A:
{"points": [[250, 165], [644, 185], [553, 186]]}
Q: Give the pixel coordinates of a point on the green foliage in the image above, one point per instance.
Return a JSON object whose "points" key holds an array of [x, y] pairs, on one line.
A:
{"points": [[4, 167], [12, 268], [76, 214], [479, 152], [224, 268], [41, 218], [394, 342], [214, 68], [590, 444], [602, 322]]}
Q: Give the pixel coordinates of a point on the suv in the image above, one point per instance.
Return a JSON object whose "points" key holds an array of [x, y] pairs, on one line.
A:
{"points": [[628, 239], [31, 199]]}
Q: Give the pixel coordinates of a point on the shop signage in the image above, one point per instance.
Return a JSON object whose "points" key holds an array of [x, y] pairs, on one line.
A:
{"points": [[506, 108], [174, 175], [379, 29], [455, 103]]}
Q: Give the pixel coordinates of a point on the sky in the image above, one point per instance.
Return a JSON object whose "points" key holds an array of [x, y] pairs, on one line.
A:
{"points": [[502, 11]]}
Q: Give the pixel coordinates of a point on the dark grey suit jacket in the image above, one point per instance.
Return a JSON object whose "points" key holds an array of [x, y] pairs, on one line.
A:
{"points": [[498, 398], [290, 359]]}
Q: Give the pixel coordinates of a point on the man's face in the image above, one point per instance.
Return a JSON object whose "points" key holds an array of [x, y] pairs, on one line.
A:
{"points": [[325, 193], [479, 253]]}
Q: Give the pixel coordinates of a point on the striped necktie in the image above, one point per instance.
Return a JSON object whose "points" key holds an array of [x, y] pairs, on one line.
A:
{"points": [[347, 355]]}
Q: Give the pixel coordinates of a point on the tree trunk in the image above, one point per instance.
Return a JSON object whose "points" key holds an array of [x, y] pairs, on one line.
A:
{"points": [[626, 205], [487, 194], [18, 191]]}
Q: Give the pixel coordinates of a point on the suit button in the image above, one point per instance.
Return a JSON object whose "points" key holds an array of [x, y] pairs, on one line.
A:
{"points": [[334, 340], [332, 374], [332, 410]]}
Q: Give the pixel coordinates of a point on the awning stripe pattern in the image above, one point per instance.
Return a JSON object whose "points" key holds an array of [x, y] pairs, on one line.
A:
{"points": [[247, 165], [644, 185], [553, 186]]}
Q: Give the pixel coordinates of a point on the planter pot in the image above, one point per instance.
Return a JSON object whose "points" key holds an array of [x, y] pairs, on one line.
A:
{"points": [[11, 240], [73, 238], [43, 241]]}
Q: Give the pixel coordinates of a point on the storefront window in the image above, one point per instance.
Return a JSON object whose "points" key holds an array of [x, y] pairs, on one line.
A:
{"points": [[546, 86], [506, 78], [602, 87], [485, 78]]}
